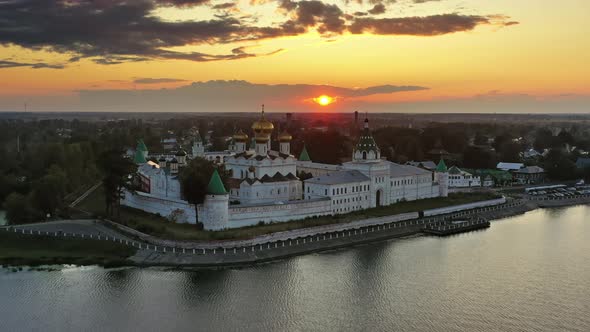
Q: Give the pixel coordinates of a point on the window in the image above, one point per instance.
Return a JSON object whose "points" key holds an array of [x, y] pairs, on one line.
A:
{"points": [[365, 155], [326, 192]]}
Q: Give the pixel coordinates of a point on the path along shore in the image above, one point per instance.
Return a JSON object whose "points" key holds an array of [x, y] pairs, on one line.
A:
{"points": [[157, 252]]}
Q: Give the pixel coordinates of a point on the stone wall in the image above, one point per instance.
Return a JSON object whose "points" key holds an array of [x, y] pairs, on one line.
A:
{"points": [[182, 211], [248, 215]]}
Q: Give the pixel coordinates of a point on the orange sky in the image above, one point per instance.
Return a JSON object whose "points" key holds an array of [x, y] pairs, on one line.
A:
{"points": [[545, 55]]}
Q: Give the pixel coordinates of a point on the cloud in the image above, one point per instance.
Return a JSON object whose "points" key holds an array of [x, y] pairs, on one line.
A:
{"points": [[36, 65], [116, 31], [230, 96], [148, 80], [418, 26], [377, 9]]}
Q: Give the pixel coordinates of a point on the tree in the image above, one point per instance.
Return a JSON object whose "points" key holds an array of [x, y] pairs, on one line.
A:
{"points": [[49, 191], [510, 152], [117, 172], [18, 209], [558, 166], [194, 179], [479, 158]]}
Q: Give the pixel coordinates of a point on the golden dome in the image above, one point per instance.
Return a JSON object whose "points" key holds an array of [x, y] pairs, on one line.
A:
{"points": [[263, 125], [240, 136], [285, 137]]}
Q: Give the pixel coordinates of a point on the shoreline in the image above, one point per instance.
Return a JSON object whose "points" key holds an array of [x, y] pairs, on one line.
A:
{"points": [[264, 253]]}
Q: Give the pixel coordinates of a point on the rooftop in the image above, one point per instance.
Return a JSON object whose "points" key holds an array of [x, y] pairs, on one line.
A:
{"points": [[339, 177]]}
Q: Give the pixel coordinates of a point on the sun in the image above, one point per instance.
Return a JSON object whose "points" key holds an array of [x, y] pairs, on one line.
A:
{"points": [[324, 100]]}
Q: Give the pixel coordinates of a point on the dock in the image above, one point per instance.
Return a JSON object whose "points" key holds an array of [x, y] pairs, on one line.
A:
{"points": [[454, 227]]}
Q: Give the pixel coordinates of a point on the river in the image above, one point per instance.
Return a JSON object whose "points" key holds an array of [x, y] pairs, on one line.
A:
{"points": [[525, 273]]}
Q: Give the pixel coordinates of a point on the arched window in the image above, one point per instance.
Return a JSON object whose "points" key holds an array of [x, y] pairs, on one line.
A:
{"points": [[364, 155]]}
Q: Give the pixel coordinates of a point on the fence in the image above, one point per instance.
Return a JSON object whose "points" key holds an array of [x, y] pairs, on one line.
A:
{"points": [[275, 244]]}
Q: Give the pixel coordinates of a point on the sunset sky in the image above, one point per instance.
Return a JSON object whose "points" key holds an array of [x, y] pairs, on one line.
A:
{"points": [[382, 56]]}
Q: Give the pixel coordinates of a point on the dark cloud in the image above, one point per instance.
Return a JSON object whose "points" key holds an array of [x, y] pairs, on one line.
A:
{"points": [[35, 65], [148, 80], [117, 31], [226, 5], [182, 3], [377, 9], [418, 26]]}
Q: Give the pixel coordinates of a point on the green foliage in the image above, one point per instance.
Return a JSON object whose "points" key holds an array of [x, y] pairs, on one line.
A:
{"points": [[19, 209], [195, 177], [559, 166], [117, 171]]}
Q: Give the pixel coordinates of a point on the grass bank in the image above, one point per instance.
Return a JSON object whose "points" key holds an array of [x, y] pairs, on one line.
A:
{"points": [[160, 227], [19, 249]]}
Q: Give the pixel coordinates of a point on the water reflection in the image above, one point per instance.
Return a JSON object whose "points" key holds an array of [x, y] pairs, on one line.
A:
{"points": [[528, 272]]}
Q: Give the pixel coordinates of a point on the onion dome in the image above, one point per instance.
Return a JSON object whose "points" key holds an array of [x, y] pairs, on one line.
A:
{"points": [[240, 136], [262, 126], [174, 161], [162, 159], [181, 153], [285, 137]]}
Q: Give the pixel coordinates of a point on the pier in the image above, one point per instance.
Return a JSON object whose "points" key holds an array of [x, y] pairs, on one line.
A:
{"points": [[457, 226]]}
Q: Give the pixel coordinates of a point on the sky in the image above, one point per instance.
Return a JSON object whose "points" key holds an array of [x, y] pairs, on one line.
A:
{"points": [[523, 56]]}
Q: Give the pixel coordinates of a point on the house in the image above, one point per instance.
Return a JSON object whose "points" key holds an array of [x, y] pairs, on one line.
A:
{"points": [[531, 153], [459, 178], [427, 164], [530, 175], [503, 166]]}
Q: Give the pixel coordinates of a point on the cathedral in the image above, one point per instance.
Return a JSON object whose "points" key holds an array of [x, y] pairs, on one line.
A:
{"points": [[264, 187]]}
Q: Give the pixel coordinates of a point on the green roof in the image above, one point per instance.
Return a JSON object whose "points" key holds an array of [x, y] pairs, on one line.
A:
{"points": [[367, 142], [139, 157], [141, 146], [304, 156], [441, 167], [215, 186]]}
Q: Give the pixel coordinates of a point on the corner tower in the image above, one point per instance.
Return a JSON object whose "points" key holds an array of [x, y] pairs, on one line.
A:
{"points": [[442, 177], [214, 213]]}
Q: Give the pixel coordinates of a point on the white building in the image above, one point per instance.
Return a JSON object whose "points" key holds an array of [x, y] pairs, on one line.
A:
{"points": [[368, 181], [459, 178]]}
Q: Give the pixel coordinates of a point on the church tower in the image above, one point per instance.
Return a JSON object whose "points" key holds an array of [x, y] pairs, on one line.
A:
{"points": [[366, 150], [262, 130], [442, 177], [198, 149], [214, 213]]}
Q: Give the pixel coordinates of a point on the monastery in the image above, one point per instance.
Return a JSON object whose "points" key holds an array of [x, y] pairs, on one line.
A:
{"points": [[264, 186]]}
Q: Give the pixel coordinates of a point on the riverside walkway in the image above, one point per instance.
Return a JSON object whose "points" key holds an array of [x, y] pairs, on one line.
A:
{"points": [[259, 249]]}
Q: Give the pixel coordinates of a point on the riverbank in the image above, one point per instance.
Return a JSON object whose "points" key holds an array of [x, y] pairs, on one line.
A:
{"points": [[264, 249], [34, 250]]}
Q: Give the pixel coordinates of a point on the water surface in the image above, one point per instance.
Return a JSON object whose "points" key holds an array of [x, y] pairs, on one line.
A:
{"points": [[526, 273]]}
